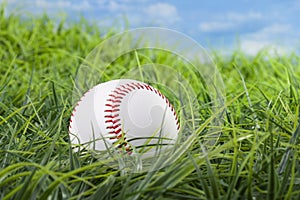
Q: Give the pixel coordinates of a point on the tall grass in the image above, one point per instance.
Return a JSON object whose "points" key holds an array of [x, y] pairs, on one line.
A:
{"points": [[256, 157]]}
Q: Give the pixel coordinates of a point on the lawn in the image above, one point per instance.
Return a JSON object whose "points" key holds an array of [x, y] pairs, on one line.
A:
{"points": [[255, 157]]}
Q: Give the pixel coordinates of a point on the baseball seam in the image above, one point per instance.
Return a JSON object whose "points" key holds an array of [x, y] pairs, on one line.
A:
{"points": [[74, 110], [112, 117]]}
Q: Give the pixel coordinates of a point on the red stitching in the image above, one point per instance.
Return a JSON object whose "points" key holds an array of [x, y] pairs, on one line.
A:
{"points": [[167, 102], [111, 116], [114, 106], [139, 84], [128, 89], [132, 87], [122, 90], [117, 94], [112, 121], [136, 85], [118, 130], [114, 126], [117, 91], [114, 101], [159, 93], [116, 133], [148, 87], [116, 97]]}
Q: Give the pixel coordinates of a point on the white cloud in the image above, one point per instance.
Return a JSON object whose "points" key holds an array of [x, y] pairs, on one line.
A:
{"points": [[239, 17], [145, 14], [137, 12], [162, 9], [141, 12], [269, 38], [133, 1], [83, 5], [114, 6], [228, 21], [162, 13], [47, 4], [215, 26], [271, 31], [252, 47]]}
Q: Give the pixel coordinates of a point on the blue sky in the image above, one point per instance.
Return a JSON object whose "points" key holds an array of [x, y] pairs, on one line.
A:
{"points": [[216, 24]]}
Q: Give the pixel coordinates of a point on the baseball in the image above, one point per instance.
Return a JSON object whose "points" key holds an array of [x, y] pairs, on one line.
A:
{"points": [[126, 115]]}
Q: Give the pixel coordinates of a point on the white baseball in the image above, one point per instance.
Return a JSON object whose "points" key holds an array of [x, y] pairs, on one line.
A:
{"points": [[126, 114]]}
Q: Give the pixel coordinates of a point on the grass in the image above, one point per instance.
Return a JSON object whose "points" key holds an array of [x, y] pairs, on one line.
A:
{"points": [[256, 157]]}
